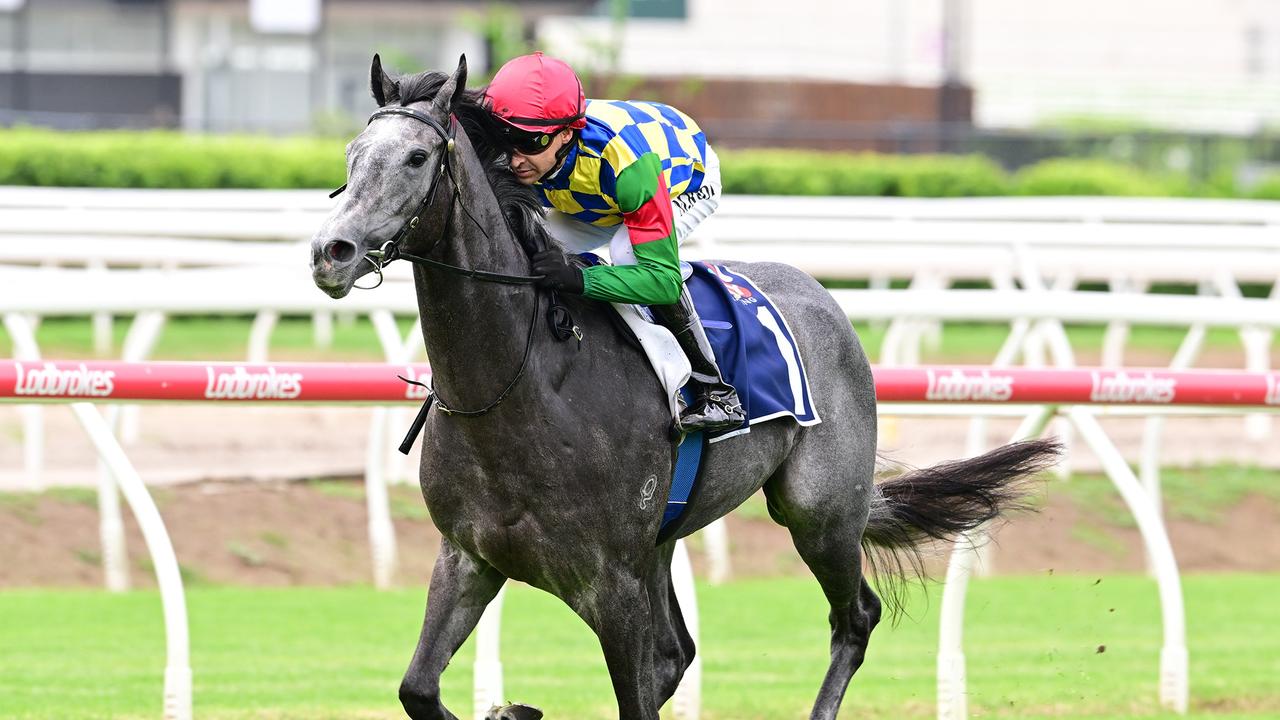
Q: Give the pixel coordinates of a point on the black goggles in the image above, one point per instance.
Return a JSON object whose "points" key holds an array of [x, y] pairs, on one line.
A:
{"points": [[526, 142]]}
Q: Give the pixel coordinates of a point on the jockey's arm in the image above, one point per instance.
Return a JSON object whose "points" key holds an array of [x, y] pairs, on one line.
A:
{"points": [[645, 202]]}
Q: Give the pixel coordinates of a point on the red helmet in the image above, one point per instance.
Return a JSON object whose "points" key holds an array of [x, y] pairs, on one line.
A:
{"points": [[538, 94]]}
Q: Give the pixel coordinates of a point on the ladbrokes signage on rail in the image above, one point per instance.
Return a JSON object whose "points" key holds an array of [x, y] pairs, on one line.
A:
{"points": [[957, 385], [1122, 387], [240, 384], [52, 381]]}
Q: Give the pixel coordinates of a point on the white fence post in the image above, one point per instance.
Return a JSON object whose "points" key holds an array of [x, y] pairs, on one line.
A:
{"points": [[177, 672], [23, 336], [487, 677], [382, 534], [952, 681], [716, 536], [1174, 687], [687, 703]]}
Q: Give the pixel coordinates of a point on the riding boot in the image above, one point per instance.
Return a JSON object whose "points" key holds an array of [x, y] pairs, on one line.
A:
{"points": [[716, 405]]}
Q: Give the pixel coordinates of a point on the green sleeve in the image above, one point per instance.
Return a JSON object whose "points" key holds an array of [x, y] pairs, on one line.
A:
{"points": [[645, 202], [653, 280]]}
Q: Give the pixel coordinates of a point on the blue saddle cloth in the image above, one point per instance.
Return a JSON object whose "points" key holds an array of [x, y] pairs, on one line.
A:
{"points": [[753, 346], [756, 354]]}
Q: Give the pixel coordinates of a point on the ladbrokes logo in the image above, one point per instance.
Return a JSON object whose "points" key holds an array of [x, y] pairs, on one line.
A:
{"points": [[52, 381], [956, 385], [240, 384], [740, 293], [1121, 387]]}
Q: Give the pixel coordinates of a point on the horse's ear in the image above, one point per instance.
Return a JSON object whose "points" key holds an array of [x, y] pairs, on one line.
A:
{"points": [[385, 89], [451, 92]]}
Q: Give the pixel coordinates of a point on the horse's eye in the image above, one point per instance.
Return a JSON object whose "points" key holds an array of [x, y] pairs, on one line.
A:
{"points": [[417, 159]]}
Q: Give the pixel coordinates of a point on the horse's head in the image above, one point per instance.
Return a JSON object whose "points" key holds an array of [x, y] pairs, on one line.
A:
{"points": [[391, 167]]}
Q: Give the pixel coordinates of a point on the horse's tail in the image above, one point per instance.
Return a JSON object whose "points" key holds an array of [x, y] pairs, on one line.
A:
{"points": [[943, 501]]}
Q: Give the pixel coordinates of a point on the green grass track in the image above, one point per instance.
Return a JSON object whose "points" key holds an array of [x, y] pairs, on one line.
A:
{"points": [[1043, 646]]}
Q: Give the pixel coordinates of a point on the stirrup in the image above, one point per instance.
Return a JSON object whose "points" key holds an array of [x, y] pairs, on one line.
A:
{"points": [[715, 410]]}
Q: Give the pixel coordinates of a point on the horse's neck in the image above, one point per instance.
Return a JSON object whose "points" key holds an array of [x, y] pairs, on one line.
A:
{"points": [[474, 331]]}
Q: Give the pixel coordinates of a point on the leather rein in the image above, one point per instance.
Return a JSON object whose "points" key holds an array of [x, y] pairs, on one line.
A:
{"points": [[562, 325]]}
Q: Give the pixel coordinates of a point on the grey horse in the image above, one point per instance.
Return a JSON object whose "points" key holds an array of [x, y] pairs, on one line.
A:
{"points": [[541, 459]]}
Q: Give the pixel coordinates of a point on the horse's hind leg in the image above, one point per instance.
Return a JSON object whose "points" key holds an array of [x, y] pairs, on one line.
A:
{"points": [[460, 590], [673, 645], [821, 494]]}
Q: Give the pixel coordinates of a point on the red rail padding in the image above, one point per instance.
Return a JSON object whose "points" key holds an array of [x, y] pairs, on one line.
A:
{"points": [[1127, 386], [377, 383], [212, 382]]}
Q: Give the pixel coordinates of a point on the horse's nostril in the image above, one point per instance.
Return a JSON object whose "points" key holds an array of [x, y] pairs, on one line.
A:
{"points": [[340, 251]]}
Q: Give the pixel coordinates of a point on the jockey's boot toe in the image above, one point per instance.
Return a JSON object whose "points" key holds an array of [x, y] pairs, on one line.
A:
{"points": [[514, 712], [716, 410]]}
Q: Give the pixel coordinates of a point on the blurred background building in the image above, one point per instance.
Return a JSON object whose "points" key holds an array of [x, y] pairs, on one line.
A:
{"points": [[1004, 77]]}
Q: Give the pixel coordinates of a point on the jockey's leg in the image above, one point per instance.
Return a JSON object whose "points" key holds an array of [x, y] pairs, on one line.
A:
{"points": [[716, 405]]}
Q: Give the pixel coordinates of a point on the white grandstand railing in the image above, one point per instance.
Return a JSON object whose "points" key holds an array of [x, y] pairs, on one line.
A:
{"points": [[1097, 223], [55, 292], [1120, 210], [154, 252], [1126, 243]]}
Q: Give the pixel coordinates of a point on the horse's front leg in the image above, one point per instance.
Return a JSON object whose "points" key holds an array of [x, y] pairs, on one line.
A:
{"points": [[617, 609], [461, 588]]}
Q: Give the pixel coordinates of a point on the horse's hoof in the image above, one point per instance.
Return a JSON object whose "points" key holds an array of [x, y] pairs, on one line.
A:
{"points": [[513, 712]]}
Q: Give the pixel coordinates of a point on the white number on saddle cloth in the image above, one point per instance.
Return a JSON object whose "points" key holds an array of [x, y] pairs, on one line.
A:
{"points": [[788, 353]]}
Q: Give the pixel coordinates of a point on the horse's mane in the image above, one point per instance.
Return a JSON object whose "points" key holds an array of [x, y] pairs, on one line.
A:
{"points": [[521, 204]]}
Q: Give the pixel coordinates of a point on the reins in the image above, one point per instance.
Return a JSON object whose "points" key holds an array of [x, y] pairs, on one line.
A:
{"points": [[561, 322]]}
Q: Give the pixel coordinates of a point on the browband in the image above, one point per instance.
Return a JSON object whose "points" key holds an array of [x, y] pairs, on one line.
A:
{"points": [[419, 116]]}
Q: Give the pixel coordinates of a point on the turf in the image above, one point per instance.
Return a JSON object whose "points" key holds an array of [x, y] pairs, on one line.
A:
{"points": [[1044, 646]]}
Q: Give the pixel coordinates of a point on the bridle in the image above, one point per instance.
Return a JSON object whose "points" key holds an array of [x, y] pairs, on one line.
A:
{"points": [[391, 251], [562, 324]]}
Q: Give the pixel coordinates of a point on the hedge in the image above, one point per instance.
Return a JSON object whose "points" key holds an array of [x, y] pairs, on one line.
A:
{"points": [[1071, 176], [167, 160], [174, 160]]}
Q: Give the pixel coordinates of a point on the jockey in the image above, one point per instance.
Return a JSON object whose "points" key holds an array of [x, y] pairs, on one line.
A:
{"points": [[637, 176]]}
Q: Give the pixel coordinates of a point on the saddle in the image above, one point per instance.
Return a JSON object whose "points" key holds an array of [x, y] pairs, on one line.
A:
{"points": [[755, 351]]}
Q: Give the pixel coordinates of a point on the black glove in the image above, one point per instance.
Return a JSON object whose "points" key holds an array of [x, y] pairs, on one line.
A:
{"points": [[559, 274]]}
